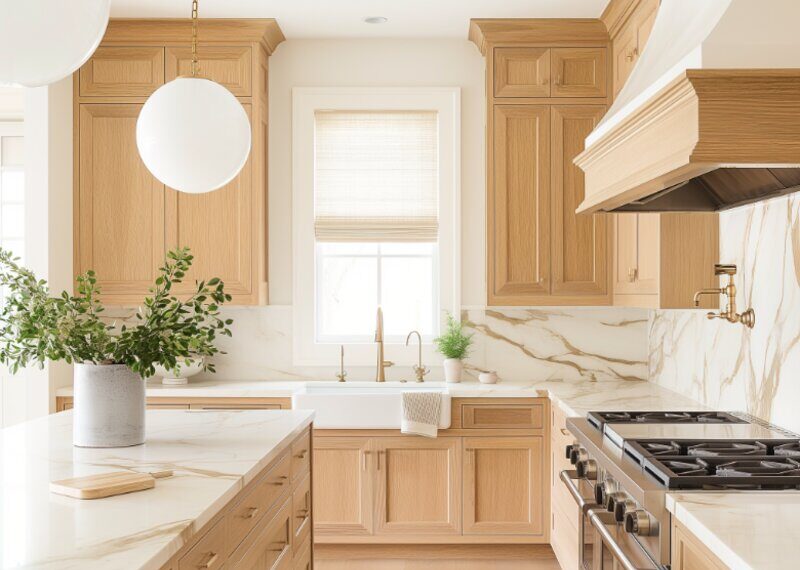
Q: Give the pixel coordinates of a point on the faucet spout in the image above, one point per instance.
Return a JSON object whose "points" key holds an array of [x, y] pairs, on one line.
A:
{"points": [[706, 292]]}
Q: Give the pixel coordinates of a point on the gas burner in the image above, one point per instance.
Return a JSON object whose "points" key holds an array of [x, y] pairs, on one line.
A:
{"points": [[600, 419], [746, 472], [723, 448], [750, 468], [791, 449]]}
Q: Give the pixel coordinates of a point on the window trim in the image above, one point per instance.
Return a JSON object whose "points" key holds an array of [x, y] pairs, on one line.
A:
{"points": [[306, 100]]}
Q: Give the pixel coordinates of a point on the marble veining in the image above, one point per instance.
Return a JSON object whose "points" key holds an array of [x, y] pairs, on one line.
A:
{"points": [[728, 522], [213, 454], [729, 366], [577, 343]]}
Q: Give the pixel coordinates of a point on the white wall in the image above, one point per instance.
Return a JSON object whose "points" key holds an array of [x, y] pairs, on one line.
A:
{"points": [[386, 63]]}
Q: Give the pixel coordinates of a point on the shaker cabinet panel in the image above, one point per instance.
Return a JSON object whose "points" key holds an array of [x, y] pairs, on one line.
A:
{"points": [[522, 72], [579, 72], [580, 242], [418, 485], [122, 72], [504, 485], [120, 205], [519, 204], [230, 66], [342, 491]]}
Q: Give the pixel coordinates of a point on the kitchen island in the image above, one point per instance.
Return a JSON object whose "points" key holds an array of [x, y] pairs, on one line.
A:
{"points": [[240, 494]]}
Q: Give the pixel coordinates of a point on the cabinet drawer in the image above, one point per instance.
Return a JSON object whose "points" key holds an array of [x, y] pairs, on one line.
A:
{"points": [[228, 66], [302, 561], [272, 545], [301, 513], [502, 416], [122, 71], [209, 552], [521, 72], [251, 509], [301, 455], [564, 541]]}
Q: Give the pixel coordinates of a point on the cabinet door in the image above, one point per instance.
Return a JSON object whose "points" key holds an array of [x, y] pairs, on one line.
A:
{"points": [[579, 72], [648, 258], [504, 482], [342, 486], [418, 485], [625, 51], [579, 241], [122, 72], [120, 213], [521, 72], [218, 227], [230, 66], [519, 205], [625, 254]]}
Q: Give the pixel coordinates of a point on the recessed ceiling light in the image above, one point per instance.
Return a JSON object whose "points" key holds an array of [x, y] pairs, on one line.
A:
{"points": [[376, 20]]}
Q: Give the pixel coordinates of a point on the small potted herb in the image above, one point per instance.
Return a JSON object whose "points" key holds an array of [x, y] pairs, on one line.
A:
{"points": [[454, 346], [111, 360]]}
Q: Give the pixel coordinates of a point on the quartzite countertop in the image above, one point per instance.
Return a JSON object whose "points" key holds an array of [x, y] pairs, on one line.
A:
{"points": [[213, 454], [576, 398]]}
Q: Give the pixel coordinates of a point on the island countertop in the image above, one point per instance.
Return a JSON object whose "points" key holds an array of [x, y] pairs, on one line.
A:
{"points": [[213, 455]]}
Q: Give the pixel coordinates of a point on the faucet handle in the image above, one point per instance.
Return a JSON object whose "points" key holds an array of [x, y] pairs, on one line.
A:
{"points": [[724, 269], [420, 372], [387, 363]]}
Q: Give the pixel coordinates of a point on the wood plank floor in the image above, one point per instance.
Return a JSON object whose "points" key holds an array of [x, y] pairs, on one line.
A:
{"points": [[434, 557]]}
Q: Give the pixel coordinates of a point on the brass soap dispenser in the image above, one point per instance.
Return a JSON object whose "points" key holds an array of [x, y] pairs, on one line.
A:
{"points": [[747, 318]]}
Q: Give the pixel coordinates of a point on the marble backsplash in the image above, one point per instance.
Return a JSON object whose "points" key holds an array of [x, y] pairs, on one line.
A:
{"points": [[566, 344], [728, 366]]}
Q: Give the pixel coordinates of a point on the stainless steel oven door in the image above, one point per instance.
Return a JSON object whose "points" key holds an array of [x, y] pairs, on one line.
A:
{"points": [[615, 549], [583, 493]]}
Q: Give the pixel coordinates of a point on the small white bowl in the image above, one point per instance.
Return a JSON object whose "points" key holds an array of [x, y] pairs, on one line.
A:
{"points": [[181, 373], [488, 377]]}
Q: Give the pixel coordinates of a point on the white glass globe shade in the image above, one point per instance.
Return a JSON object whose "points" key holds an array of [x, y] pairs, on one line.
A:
{"points": [[193, 135], [42, 41]]}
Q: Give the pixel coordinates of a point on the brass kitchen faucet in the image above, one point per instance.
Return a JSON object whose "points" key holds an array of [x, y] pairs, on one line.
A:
{"points": [[747, 318]]}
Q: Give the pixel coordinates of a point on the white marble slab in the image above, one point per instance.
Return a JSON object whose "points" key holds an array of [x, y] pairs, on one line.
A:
{"points": [[575, 397], [213, 454], [745, 530]]}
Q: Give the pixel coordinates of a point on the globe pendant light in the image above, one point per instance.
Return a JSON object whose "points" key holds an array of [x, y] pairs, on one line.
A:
{"points": [[42, 41], [192, 133]]}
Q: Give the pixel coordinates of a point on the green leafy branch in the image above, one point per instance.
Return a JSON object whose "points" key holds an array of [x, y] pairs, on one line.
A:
{"points": [[453, 343]]}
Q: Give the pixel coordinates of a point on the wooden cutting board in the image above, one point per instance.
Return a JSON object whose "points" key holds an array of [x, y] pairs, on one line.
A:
{"points": [[107, 484]]}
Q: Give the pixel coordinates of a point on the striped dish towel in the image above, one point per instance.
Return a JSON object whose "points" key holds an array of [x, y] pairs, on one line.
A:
{"points": [[421, 412]]}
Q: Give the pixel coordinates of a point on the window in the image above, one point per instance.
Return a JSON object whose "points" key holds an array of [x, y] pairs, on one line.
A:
{"points": [[375, 223], [374, 214], [12, 189]]}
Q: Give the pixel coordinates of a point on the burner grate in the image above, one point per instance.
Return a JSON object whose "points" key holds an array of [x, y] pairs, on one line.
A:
{"points": [[746, 472], [599, 419]]}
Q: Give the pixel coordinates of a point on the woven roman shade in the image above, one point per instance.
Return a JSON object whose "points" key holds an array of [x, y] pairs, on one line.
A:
{"points": [[376, 176]]}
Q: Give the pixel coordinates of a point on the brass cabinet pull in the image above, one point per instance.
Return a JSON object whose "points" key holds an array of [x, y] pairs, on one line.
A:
{"points": [[251, 513], [210, 562], [302, 454], [281, 480], [565, 431], [558, 80], [364, 460], [302, 513], [277, 547], [633, 273]]}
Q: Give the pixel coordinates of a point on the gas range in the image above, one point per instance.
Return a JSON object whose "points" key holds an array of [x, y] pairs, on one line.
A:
{"points": [[626, 462]]}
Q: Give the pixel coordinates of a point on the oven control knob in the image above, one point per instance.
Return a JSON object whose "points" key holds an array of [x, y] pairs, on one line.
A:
{"points": [[577, 454], [622, 508], [570, 448], [603, 490], [586, 468], [612, 499], [638, 522]]}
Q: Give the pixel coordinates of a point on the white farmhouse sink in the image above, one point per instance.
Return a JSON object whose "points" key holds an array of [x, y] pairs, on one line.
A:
{"points": [[363, 405]]}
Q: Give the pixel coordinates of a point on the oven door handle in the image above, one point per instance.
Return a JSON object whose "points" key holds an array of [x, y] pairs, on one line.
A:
{"points": [[596, 518], [569, 477]]}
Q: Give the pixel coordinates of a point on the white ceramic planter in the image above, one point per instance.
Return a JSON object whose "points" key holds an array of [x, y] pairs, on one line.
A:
{"points": [[108, 407], [453, 369], [488, 377]]}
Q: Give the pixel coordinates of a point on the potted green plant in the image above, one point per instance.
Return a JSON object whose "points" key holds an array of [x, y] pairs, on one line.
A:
{"points": [[454, 345], [111, 359]]}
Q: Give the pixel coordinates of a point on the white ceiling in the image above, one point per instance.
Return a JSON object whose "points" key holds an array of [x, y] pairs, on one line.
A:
{"points": [[344, 18]]}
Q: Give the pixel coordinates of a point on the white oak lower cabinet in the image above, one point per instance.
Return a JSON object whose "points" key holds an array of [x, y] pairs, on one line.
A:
{"points": [[688, 553], [482, 481], [504, 485]]}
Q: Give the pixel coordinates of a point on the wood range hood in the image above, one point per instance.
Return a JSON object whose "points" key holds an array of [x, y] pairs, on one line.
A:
{"points": [[697, 138]]}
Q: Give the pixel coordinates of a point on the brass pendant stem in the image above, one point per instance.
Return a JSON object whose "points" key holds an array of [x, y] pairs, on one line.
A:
{"points": [[195, 66]]}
